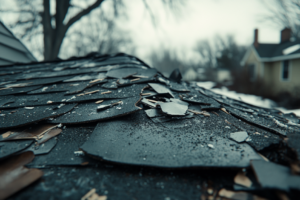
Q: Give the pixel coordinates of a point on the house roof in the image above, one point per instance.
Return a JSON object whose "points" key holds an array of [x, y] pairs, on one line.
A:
{"points": [[12, 50], [113, 123], [276, 50]]}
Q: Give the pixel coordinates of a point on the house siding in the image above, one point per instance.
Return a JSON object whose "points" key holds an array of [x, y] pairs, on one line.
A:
{"points": [[259, 67], [11, 49], [273, 74]]}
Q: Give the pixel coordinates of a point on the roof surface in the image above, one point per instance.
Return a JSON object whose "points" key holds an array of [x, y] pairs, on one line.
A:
{"points": [[275, 50], [11, 49], [117, 125]]}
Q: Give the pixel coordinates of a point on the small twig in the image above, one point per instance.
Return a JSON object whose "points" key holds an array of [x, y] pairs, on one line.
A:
{"points": [[92, 92], [215, 113], [144, 94], [153, 101], [100, 101], [227, 122], [119, 102], [96, 80], [225, 111], [135, 79], [107, 92]]}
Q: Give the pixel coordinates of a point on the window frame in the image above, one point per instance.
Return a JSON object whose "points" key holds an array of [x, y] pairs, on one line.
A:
{"points": [[282, 71]]}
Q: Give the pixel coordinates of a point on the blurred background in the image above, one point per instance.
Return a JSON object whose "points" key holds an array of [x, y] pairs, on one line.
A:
{"points": [[245, 49]]}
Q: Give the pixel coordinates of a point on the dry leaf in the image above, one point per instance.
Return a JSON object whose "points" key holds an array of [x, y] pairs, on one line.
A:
{"points": [[242, 179]]}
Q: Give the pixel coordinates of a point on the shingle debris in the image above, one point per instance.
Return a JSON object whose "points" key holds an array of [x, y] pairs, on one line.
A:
{"points": [[239, 136], [91, 112]]}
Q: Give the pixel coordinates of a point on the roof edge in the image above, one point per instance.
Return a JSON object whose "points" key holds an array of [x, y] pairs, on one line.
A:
{"points": [[279, 58], [247, 54], [29, 52]]}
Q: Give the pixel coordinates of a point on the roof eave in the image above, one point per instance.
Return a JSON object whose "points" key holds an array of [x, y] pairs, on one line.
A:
{"points": [[279, 58], [247, 54]]}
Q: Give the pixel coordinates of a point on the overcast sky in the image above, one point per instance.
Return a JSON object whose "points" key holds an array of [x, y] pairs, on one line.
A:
{"points": [[198, 20]]}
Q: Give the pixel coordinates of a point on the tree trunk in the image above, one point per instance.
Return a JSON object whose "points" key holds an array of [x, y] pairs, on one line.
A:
{"points": [[48, 30], [53, 36]]}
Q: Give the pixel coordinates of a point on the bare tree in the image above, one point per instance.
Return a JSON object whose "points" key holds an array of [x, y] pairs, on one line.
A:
{"points": [[37, 17], [103, 37], [51, 19], [285, 13], [229, 53], [208, 53], [166, 61], [222, 52]]}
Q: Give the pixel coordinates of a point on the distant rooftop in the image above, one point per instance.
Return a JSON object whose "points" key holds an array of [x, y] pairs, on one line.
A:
{"points": [[12, 50], [275, 50]]}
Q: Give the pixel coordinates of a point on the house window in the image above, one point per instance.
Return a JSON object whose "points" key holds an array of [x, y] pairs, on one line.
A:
{"points": [[285, 70]]}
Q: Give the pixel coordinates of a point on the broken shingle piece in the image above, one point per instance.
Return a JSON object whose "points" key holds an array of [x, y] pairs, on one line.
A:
{"points": [[293, 141], [20, 90], [206, 103], [173, 108], [89, 112], [48, 135], [136, 140], [122, 72], [179, 101], [24, 116], [124, 92], [128, 72], [77, 88], [265, 121], [86, 77], [274, 176], [148, 103], [153, 113], [14, 176], [63, 152], [34, 133], [161, 89], [8, 148], [239, 136], [43, 148], [178, 87]]}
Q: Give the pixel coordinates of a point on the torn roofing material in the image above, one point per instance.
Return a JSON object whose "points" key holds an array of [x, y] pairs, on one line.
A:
{"points": [[24, 116], [14, 176], [161, 89], [115, 108], [138, 141]]}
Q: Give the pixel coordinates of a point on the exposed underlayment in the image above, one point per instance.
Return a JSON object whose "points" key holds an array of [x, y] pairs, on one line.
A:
{"points": [[112, 127]]}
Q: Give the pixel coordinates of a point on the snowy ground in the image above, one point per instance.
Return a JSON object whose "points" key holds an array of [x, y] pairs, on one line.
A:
{"points": [[252, 99]]}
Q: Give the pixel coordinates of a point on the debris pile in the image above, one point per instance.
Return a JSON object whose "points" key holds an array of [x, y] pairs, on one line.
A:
{"points": [[114, 111]]}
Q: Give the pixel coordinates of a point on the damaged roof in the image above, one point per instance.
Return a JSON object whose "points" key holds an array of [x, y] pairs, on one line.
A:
{"points": [[110, 126]]}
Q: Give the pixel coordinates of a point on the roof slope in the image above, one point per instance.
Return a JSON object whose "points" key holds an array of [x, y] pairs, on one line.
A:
{"points": [[11, 49], [275, 50], [108, 110]]}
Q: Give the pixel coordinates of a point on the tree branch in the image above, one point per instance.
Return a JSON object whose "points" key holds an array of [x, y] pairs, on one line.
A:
{"points": [[83, 13]]}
